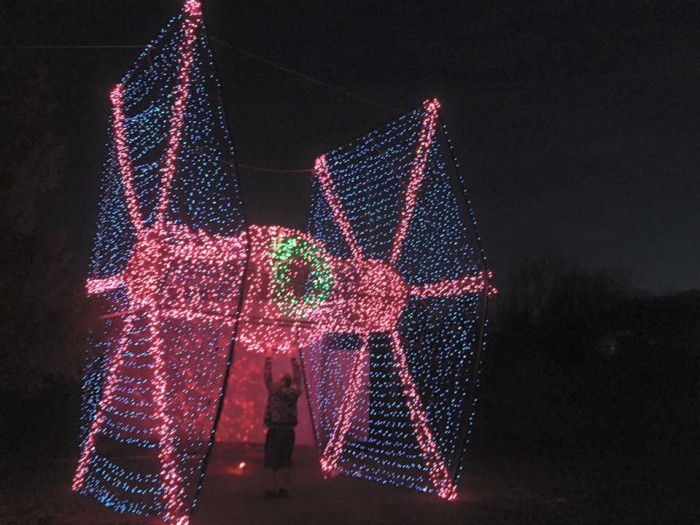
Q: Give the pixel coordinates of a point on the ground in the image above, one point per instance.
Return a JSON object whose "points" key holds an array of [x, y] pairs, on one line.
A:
{"points": [[493, 491]]}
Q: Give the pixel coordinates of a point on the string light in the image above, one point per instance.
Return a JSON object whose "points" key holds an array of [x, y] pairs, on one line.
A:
{"points": [[384, 296], [404, 304], [295, 289], [167, 272]]}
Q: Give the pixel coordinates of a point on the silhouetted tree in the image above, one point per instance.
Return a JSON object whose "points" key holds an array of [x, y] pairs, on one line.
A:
{"points": [[39, 310], [561, 306]]}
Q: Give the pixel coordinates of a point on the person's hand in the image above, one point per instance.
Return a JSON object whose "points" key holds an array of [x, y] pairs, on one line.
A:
{"points": [[269, 351]]}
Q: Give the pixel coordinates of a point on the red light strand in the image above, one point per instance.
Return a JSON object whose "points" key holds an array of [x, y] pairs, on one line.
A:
{"points": [[173, 491], [438, 472], [334, 448], [98, 286], [125, 167], [467, 285], [88, 449], [193, 18], [324, 178], [425, 139]]}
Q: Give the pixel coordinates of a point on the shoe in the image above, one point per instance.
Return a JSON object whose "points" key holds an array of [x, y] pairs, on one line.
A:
{"points": [[282, 493], [270, 494]]}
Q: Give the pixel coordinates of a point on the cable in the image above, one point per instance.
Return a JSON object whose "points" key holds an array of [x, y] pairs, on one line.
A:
{"points": [[91, 46], [272, 170], [303, 76], [264, 169], [248, 54]]}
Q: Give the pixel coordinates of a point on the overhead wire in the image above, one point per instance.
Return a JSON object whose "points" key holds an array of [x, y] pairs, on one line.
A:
{"points": [[248, 54], [241, 51], [527, 210], [303, 76]]}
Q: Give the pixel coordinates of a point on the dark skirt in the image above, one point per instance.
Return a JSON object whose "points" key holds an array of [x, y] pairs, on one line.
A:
{"points": [[279, 444]]}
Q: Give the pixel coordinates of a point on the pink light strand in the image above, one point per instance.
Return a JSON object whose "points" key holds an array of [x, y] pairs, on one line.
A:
{"points": [[171, 479], [173, 491], [425, 138], [334, 448], [125, 169], [88, 450], [438, 472], [466, 285], [189, 315], [193, 17], [324, 178], [98, 286]]}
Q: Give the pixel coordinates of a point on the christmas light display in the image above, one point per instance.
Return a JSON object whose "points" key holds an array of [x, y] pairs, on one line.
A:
{"points": [[167, 274], [392, 374], [289, 276], [385, 297], [295, 289]]}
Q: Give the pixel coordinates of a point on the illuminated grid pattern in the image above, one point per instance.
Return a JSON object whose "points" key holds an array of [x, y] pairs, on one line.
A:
{"points": [[392, 380], [391, 298], [166, 275]]}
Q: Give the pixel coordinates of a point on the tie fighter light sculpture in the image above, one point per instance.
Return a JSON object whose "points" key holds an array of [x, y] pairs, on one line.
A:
{"points": [[385, 296], [373, 288]]}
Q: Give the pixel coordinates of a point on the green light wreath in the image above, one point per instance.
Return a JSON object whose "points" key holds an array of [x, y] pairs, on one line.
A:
{"points": [[290, 253]]}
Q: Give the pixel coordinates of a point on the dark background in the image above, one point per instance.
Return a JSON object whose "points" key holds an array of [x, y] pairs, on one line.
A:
{"points": [[576, 126], [575, 121]]}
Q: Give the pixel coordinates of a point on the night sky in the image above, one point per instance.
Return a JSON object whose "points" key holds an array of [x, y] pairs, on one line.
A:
{"points": [[576, 123]]}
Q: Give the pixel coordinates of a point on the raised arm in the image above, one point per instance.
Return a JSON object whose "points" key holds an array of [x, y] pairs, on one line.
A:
{"points": [[267, 372], [296, 374]]}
